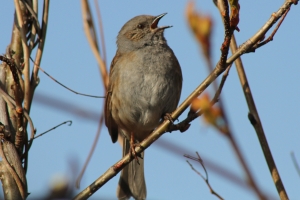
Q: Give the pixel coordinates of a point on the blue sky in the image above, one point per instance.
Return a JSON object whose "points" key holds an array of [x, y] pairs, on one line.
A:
{"points": [[273, 73]]}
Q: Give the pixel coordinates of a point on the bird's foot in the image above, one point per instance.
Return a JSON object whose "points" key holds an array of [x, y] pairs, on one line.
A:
{"points": [[168, 116], [133, 152]]}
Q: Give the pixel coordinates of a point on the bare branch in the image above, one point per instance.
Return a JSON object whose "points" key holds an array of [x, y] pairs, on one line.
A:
{"points": [[270, 38], [199, 160], [69, 122], [82, 94]]}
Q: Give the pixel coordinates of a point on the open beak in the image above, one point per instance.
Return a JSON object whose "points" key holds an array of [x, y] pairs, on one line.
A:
{"points": [[155, 23]]}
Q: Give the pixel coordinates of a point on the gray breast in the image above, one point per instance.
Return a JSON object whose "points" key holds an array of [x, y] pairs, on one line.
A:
{"points": [[151, 89]]}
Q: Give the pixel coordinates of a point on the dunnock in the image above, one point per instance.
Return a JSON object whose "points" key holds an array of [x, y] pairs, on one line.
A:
{"points": [[145, 84]]}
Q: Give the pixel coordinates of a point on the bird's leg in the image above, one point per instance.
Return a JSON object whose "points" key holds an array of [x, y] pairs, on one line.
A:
{"points": [[132, 147], [168, 116]]}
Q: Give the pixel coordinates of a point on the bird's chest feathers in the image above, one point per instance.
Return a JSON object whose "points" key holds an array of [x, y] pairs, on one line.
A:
{"points": [[147, 74]]}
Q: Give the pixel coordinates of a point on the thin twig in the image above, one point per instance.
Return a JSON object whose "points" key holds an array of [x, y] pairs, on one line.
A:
{"points": [[270, 38], [199, 160], [219, 90], [82, 94], [69, 122]]}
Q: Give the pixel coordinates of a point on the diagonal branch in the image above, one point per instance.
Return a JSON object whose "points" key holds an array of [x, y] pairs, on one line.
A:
{"points": [[192, 115], [271, 37]]}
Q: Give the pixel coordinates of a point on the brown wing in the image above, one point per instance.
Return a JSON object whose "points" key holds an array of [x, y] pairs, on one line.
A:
{"points": [[109, 121]]}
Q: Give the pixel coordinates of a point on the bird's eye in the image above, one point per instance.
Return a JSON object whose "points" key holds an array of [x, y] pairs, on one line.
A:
{"points": [[140, 26]]}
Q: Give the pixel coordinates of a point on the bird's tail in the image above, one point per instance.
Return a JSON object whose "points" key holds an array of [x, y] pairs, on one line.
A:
{"points": [[132, 180]]}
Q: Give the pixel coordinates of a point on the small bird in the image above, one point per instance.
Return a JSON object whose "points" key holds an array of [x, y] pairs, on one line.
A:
{"points": [[145, 84]]}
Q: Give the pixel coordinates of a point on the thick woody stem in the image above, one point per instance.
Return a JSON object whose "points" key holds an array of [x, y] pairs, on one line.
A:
{"points": [[19, 139]]}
